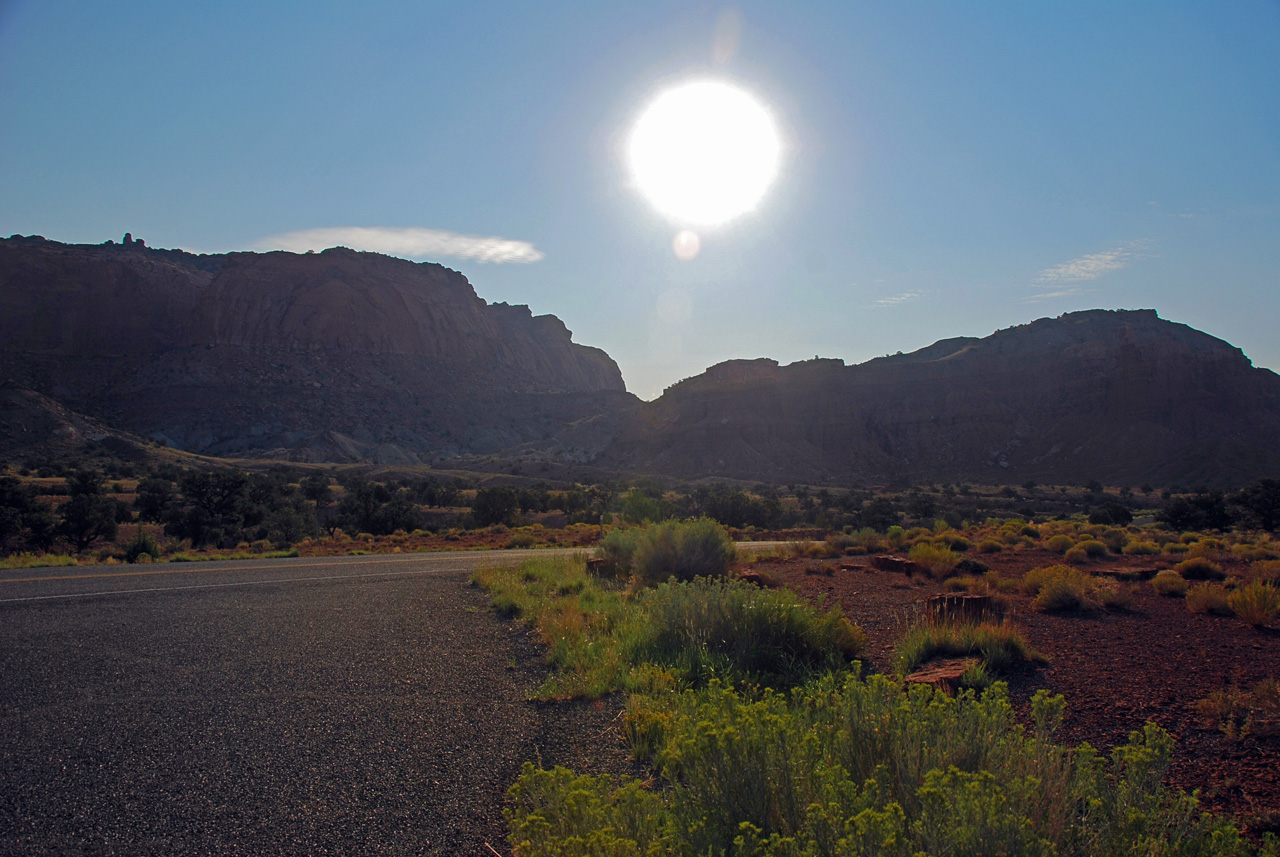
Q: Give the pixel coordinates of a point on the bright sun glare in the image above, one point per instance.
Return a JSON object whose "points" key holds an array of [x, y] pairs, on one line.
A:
{"points": [[704, 152]]}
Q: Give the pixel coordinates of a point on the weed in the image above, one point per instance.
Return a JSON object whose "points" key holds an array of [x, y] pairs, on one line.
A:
{"points": [[1256, 603]]}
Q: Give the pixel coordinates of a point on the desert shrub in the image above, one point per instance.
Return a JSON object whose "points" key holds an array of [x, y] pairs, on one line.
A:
{"points": [[1115, 539], [520, 541], [1093, 548], [1208, 598], [1141, 548], [1169, 582], [866, 767], [937, 561], [955, 541], [142, 544], [1174, 548], [1060, 543], [999, 644], [1199, 568], [1239, 713], [1189, 538], [1115, 597], [990, 545], [1060, 588], [36, 560], [731, 630], [1266, 570], [1256, 603], [895, 536], [1076, 555]]}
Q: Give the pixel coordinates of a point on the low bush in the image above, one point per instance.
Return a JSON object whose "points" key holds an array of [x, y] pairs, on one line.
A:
{"points": [[938, 561], [142, 544], [1199, 568], [1174, 548], [1076, 555], [1256, 603], [989, 545], [1093, 548], [846, 766], [1169, 582], [1208, 598], [1061, 588], [618, 550], [1060, 543], [1141, 548], [680, 549]]}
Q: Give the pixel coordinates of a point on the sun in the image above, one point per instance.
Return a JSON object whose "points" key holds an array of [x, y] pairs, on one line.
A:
{"points": [[704, 152]]}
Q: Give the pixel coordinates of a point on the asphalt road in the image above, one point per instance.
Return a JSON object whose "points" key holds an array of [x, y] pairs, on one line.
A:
{"points": [[356, 705]]}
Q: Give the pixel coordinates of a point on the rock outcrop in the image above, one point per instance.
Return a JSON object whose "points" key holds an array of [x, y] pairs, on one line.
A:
{"points": [[1123, 397], [324, 356]]}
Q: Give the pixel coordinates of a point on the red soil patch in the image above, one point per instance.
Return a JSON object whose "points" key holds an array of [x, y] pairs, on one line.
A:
{"points": [[1117, 669]]}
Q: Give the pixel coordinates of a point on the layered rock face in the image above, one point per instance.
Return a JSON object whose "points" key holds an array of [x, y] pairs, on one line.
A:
{"points": [[324, 356], [1123, 397]]}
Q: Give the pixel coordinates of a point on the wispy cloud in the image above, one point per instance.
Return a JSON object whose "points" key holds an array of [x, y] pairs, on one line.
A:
{"points": [[412, 243], [1092, 266], [1056, 293], [894, 300]]}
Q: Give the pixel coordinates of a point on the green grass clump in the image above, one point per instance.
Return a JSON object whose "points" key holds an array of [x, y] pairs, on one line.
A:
{"points": [[1199, 568], [735, 631], [847, 766], [938, 561], [1169, 582], [1000, 645], [1256, 603]]}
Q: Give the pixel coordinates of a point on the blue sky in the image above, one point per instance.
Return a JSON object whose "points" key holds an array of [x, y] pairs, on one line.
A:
{"points": [[950, 168]]}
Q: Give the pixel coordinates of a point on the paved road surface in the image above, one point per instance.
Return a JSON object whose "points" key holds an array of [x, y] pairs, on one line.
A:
{"points": [[356, 705]]}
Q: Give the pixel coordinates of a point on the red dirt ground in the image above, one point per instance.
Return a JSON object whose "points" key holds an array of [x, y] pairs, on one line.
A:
{"points": [[1117, 669]]}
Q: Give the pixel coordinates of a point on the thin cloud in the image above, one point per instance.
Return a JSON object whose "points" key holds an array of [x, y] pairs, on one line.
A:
{"points": [[903, 298], [1057, 293], [411, 243], [1090, 267]]}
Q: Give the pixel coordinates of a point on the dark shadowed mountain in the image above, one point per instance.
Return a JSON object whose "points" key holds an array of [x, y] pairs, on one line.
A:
{"points": [[342, 356], [328, 356], [1124, 397]]}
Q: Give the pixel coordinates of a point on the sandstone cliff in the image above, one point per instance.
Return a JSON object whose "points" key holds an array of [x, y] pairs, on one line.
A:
{"points": [[320, 356], [1123, 397]]}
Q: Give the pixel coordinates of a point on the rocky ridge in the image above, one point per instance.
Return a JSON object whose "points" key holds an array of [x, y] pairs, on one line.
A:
{"points": [[1120, 396], [324, 356]]}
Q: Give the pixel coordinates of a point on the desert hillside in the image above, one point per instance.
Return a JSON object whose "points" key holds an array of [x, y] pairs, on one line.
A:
{"points": [[326, 356], [1124, 397]]}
